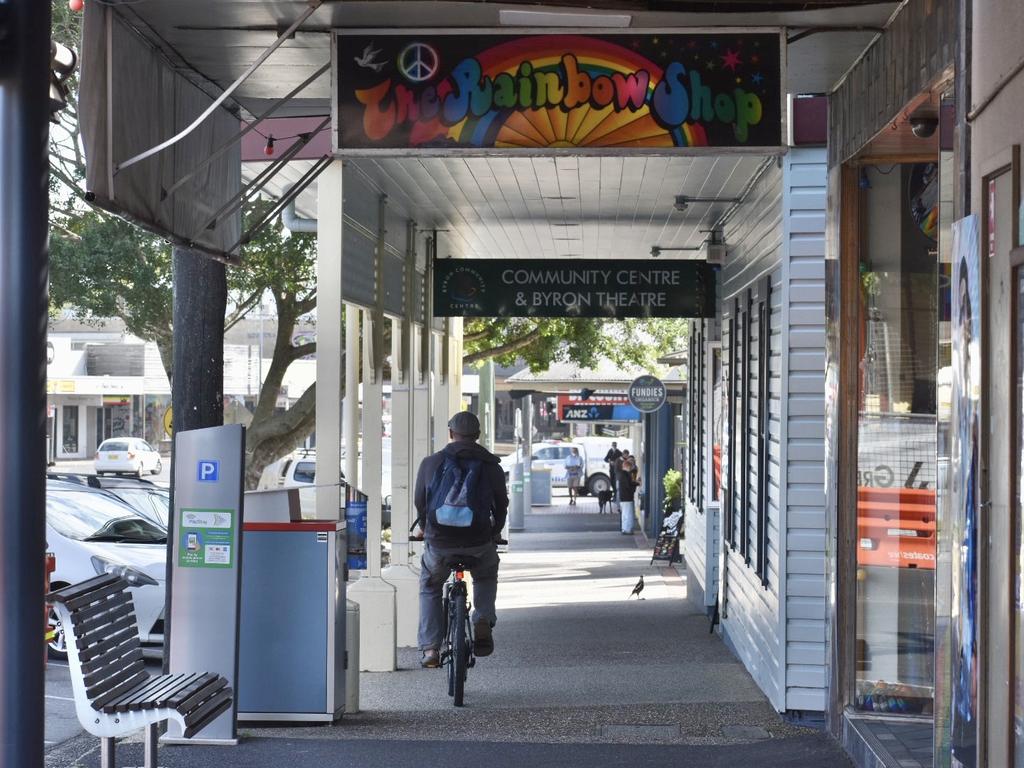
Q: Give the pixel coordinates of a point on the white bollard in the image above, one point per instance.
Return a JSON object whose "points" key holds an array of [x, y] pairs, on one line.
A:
{"points": [[378, 651], [406, 581]]}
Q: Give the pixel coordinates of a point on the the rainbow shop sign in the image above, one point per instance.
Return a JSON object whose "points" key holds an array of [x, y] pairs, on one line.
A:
{"points": [[475, 89]]}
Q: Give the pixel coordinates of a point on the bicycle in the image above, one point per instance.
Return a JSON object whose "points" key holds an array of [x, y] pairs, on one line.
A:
{"points": [[457, 648]]}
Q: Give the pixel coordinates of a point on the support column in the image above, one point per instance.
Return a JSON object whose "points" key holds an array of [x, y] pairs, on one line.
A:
{"points": [[453, 349], [441, 381], [330, 358], [486, 400], [421, 433], [350, 422], [421, 411], [403, 576], [378, 651], [24, 75]]}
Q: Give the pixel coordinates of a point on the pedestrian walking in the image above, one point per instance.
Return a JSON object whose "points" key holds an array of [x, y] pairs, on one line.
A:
{"points": [[611, 458], [573, 474]]}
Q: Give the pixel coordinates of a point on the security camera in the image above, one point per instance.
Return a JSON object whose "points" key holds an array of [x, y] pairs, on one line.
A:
{"points": [[655, 251], [923, 127], [681, 203]]}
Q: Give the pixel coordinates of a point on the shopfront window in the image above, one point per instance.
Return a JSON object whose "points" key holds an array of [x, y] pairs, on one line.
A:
{"points": [[69, 428], [896, 439]]}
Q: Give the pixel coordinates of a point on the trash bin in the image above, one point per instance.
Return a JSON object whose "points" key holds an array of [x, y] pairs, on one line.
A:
{"points": [[540, 487]]}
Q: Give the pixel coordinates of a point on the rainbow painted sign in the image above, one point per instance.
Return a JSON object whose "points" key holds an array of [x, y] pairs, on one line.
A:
{"points": [[485, 91]]}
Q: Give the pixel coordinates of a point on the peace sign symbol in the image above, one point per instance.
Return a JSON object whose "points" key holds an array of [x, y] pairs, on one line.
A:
{"points": [[418, 62]]}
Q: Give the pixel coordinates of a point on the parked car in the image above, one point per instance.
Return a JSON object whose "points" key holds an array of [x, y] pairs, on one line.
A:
{"points": [[90, 532], [148, 499], [127, 455]]}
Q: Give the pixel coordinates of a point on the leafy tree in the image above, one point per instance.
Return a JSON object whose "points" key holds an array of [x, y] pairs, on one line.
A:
{"points": [[584, 341]]}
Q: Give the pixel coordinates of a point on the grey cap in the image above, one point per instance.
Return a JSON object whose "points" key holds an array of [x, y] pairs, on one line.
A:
{"points": [[464, 424]]}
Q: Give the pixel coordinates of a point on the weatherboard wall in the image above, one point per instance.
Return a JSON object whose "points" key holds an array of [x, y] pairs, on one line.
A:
{"points": [[772, 615]]}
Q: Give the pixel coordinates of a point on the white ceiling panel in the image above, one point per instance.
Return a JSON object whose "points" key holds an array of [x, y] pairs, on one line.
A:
{"points": [[521, 208]]}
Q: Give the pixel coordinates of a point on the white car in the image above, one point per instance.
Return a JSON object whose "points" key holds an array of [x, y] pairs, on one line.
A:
{"points": [[127, 455], [90, 532]]}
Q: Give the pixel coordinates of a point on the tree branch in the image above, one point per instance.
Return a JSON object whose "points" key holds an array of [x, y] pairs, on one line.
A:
{"points": [[503, 349]]}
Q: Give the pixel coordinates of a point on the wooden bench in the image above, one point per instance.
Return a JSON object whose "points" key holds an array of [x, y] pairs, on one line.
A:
{"points": [[114, 694]]}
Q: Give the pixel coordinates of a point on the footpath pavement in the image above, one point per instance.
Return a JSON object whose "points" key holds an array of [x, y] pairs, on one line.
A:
{"points": [[582, 676]]}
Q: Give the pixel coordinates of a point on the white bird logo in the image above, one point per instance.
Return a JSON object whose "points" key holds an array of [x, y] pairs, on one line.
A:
{"points": [[368, 59]]}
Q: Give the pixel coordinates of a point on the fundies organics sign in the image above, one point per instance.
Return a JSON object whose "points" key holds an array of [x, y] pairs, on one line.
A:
{"points": [[482, 90]]}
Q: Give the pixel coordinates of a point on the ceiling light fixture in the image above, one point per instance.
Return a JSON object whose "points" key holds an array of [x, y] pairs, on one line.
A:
{"points": [[682, 202], [515, 17]]}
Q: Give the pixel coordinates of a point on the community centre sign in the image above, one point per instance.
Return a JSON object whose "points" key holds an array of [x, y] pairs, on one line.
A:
{"points": [[573, 288], [492, 90]]}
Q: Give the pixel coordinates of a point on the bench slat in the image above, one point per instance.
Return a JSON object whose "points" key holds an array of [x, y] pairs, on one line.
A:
{"points": [[193, 730], [105, 632], [96, 624], [128, 685], [140, 698], [184, 693], [94, 651], [114, 663], [109, 604], [127, 644], [112, 681], [118, 585], [64, 594], [203, 695], [198, 715], [164, 697]]}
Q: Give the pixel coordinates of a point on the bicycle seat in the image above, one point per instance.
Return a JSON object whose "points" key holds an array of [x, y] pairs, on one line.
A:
{"points": [[460, 562]]}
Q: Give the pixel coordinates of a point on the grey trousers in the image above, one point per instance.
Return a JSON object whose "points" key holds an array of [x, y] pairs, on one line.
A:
{"points": [[433, 575]]}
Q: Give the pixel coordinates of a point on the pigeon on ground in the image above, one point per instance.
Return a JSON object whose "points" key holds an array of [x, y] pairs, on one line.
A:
{"points": [[638, 588]]}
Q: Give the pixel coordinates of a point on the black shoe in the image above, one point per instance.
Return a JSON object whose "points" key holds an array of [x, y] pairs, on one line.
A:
{"points": [[483, 639], [431, 659]]}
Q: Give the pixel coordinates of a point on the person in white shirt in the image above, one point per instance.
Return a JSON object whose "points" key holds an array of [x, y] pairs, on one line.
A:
{"points": [[573, 473]]}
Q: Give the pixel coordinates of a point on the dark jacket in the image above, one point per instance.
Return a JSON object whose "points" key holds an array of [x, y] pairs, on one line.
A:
{"points": [[491, 490]]}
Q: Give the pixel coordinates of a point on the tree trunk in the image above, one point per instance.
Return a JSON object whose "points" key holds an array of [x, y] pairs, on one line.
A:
{"points": [[200, 301]]}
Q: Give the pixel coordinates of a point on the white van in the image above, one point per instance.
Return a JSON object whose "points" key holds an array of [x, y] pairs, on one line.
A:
{"points": [[551, 454]]}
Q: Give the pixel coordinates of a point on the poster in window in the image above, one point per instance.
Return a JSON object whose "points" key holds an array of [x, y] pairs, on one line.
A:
{"points": [[966, 358]]}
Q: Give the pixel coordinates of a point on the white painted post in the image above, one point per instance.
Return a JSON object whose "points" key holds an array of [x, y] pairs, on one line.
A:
{"points": [[441, 382], [453, 344], [403, 576], [350, 424], [378, 651], [329, 374]]}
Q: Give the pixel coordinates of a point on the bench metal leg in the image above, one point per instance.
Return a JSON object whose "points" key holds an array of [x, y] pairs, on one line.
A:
{"points": [[107, 752], [152, 732]]}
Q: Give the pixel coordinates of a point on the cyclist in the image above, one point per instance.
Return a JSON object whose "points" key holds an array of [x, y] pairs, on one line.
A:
{"points": [[477, 538]]}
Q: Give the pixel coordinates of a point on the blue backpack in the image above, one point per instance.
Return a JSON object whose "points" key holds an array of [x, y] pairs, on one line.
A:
{"points": [[453, 492]]}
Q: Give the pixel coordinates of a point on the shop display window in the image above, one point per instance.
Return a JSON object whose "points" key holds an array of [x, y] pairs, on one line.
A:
{"points": [[896, 439]]}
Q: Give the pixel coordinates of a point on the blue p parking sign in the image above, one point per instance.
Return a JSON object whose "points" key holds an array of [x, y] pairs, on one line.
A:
{"points": [[208, 471]]}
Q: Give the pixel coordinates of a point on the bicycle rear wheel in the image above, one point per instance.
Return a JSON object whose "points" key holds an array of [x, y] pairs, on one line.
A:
{"points": [[460, 652]]}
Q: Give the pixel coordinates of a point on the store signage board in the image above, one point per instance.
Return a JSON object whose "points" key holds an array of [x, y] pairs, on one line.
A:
{"points": [[600, 408], [647, 393], [573, 288], [453, 91], [206, 564]]}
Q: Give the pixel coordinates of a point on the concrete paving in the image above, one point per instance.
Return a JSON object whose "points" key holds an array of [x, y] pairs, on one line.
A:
{"points": [[583, 675]]}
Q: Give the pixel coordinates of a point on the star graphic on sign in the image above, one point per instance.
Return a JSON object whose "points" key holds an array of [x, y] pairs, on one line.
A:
{"points": [[757, 79], [710, 65], [714, 45], [754, 59], [731, 60]]}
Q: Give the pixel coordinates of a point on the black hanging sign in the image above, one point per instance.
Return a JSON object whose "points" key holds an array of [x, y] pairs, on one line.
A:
{"points": [[573, 288], [485, 90]]}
